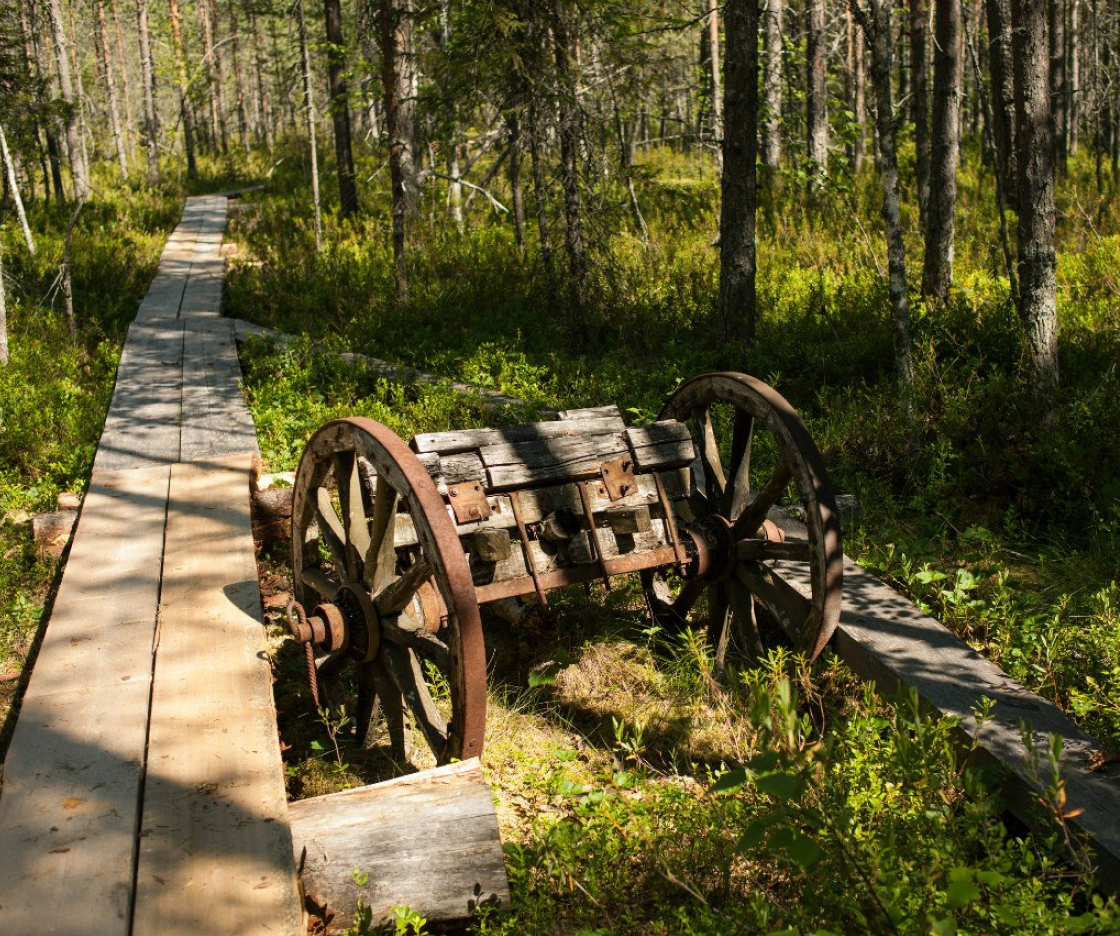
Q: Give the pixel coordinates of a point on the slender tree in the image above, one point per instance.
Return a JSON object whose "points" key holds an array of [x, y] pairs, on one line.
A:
{"points": [[147, 69], [817, 86], [340, 109], [875, 19], [919, 95], [396, 64], [772, 84], [309, 109], [13, 188], [937, 271], [185, 114], [78, 168], [1003, 93], [1037, 261], [717, 93], [737, 264], [4, 356], [102, 35], [1057, 55]]}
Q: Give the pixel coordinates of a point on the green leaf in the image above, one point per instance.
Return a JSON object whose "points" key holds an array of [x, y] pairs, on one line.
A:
{"points": [[962, 889], [946, 926], [732, 780], [782, 786], [317, 746], [755, 832], [799, 848]]}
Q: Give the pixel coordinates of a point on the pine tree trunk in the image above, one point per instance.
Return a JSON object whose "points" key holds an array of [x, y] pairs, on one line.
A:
{"points": [[937, 272], [217, 109], [78, 170], [184, 90], [772, 84], [110, 87], [1073, 85], [1034, 140], [919, 95], [31, 65], [309, 108], [854, 90], [568, 131], [340, 109], [1003, 94], [516, 197], [126, 81], [4, 356], [817, 84], [151, 130], [876, 22], [540, 194], [396, 54], [264, 102], [1057, 54], [10, 169], [238, 86], [717, 91], [80, 95], [737, 265]]}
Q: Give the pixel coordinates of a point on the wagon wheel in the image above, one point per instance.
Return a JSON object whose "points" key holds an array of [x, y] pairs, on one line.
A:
{"points": [[384, 580], [739, 556]]}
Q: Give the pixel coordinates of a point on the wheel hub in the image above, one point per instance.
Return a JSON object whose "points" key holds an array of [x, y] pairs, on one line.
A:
{"points": [[711, 549]]}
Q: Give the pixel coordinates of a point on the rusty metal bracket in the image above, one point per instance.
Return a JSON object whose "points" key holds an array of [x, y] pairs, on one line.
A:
{"points": [[618, 477], [468, 502], [526, 549], [592, 532]]}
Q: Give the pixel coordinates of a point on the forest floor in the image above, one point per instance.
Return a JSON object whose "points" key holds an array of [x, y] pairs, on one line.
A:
{"points": [[606, 737]]}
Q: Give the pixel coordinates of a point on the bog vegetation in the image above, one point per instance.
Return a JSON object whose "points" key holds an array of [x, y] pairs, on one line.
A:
{"points": [[539, 206]]}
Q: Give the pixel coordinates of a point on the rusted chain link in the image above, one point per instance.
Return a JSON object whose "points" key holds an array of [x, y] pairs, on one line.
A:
{"points": [[298, 626]]}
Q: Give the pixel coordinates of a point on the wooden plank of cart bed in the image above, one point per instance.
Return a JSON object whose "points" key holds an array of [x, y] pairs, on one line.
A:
{"points": [[215, 844], [883, 637], [69, 812]]}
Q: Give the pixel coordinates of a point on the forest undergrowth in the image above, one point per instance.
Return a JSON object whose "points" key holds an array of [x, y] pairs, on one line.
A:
{"points": [[608, 743]]}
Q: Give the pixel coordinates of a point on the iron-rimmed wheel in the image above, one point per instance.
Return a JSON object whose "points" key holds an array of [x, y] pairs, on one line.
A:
{"points": [[374, 547], [752, 560]]}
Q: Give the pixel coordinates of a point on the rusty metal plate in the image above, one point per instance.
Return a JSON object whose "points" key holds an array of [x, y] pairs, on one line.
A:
{"points": [[468, 502], [618, 477]]}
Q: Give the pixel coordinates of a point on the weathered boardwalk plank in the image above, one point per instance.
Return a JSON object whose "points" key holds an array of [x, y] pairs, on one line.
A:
{"points": [[215, 847], [883, 637], [68, 814], [215, 419]]}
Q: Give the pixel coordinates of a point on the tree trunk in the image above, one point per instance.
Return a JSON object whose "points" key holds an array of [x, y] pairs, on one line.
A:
{"points": [[4, 356], [1003, 94], [31, 65], [516, 197], [238, 86], [10, 168], [126, 81], [919, 94], [78, 169], [1038, 301], [568, 130], [309, 108], [854, 90], [184, 90], [111, 87], [817, 84], [540, 196], [340, 109], [737, 266], [876, 22], [937, 272], [80, 98], [1073, 85], [772, 84], [396, 65], [717, 92], [213, 68], [264, 124], [151, 128], [1057, 54]]}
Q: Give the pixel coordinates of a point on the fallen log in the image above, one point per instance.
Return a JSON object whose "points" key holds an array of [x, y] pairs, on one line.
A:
{"points": [[428, 841]]}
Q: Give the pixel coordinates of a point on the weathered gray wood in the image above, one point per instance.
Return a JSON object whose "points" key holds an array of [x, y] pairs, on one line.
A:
{"points": [[565, 459], [665, 444], [215, 418], [68, 814], [453, 469], [883, 637], [490, 545], [428, 841], [215, 847], [465, 440], [590, 412]]}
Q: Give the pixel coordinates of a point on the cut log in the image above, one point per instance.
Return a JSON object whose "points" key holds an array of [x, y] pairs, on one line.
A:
{"points": [[272, 515], [428, 841], [52, 531]]}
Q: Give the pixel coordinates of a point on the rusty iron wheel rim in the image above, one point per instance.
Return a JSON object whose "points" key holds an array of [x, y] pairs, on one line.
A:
{"points": [[819, 566], [402, 486]]}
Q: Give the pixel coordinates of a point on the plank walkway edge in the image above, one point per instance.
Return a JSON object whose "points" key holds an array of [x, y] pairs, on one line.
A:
{"points": [[884, 638]]}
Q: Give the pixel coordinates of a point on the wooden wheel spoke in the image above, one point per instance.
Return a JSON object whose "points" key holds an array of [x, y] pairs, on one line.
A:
{"points": [[404, 670], [427, 645], [323, 584], [380, 559], [719, 614], [762, 550], [745, 628], [748, 522], [737, 495], [708, 451], [352, 505], [367, 701], [683, 603], [330, 529], [397, 595], [391, 707], [792, 609]]}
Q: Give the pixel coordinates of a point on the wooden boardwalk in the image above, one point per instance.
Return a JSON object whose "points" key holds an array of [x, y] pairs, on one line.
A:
{"points": [[143, 788]]}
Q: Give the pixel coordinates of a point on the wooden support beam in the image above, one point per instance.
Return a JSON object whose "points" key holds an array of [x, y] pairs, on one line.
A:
{"points": [[428, 841]]}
